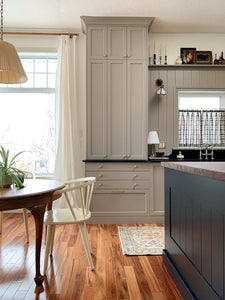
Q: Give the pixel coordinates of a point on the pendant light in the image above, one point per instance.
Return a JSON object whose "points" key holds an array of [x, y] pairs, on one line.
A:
{"points": [[11, 69]]}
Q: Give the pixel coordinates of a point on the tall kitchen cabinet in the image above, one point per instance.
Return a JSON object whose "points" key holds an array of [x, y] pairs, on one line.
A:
{"points": [[117, 89]]}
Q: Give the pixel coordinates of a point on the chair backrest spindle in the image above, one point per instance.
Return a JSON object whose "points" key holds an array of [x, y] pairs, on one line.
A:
{"points": [[81, 202]]}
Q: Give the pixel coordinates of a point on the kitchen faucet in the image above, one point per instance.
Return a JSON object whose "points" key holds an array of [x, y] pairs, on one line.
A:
{"points": [[208, 151]]}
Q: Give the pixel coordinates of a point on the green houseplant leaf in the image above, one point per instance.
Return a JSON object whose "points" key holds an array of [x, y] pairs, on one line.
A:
{"points": [[7, 168]]}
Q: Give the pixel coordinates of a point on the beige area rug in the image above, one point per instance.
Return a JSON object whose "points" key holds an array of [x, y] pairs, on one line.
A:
{"points": [[144, 240]]}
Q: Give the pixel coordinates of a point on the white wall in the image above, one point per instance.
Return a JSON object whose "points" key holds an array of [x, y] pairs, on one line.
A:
{"points": [[204, 42]]}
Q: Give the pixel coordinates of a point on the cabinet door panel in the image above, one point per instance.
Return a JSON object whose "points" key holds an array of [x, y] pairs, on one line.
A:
{"points": [[117, 42], [137, 109], [116, 108], [157, 203], [96, 109], [97, 42], [136, 43], [127, 203]]}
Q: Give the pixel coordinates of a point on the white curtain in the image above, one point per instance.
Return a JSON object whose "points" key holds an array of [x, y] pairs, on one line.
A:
{"points": [[201, 127], [68, 116]]}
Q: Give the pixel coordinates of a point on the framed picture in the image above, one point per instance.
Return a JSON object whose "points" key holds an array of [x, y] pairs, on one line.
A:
{"points": [[187, 55], [203, 57]]}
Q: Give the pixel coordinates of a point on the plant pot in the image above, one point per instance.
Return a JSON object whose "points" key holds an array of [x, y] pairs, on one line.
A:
{"points": [[7, 181]]}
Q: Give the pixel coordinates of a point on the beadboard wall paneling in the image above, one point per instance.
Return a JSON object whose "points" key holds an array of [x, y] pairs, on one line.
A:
{"points": [[163, 110]]}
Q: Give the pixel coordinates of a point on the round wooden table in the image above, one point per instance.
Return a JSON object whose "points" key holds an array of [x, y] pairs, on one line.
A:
{"points": [[35, 196]]}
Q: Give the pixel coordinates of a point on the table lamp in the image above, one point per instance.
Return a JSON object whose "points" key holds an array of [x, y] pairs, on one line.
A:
{"points": [[153, 139]]}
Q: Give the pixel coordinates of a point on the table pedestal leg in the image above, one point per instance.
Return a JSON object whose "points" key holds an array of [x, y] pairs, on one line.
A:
{"points": [[38, 214]]}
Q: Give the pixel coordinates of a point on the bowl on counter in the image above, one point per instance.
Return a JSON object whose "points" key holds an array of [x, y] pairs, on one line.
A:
{"points": [[159, 154]]}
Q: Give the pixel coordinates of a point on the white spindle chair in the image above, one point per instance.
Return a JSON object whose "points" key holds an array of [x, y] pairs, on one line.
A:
{"points": [[78, 195], [25, 217]]}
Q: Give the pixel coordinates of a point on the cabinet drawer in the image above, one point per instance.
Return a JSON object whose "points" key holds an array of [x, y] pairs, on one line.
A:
{"points": [[121, 185], [117, 166], [118, 175]]}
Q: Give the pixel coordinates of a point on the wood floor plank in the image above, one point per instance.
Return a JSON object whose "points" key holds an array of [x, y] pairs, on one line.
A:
{"points": [[133, 288], [69, 277]]}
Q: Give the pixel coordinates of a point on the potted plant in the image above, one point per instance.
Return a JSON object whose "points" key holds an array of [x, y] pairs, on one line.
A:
{"points": [[9, 174]]}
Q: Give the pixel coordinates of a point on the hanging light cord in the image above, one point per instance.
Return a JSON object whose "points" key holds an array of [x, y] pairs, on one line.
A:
{"points": [[1, 19]]}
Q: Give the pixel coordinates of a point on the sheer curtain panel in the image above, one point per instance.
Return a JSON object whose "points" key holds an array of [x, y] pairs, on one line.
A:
{"points": [[68, 117]]}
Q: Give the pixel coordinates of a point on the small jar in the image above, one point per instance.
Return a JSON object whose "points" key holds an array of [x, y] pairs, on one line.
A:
{"points": [[180, 155]]}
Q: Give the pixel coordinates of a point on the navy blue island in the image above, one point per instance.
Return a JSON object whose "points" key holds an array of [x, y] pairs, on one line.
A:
{"points": [[194, 253]]}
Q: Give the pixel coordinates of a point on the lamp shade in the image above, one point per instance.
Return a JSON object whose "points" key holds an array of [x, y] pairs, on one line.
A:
{"points": [[153, 137], [11, 69], [161, 91]]}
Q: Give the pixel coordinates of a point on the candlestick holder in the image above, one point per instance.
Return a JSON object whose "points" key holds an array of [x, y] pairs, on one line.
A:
{"points": [[154, 59], [160, 60], [165, 60]]}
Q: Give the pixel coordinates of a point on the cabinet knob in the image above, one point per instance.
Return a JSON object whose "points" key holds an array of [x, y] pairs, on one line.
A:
{"points": [[135, 184], [100, 184], [100, 175], [135, 175], [100, 166], [105, 55], [135, 166], [105, 156]]}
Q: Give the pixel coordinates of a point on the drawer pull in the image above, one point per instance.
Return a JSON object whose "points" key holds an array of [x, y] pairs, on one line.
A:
{"points": [[135, 166], [135, 175], [135, 184], [100, 166], [100, 175], [100, 184]]}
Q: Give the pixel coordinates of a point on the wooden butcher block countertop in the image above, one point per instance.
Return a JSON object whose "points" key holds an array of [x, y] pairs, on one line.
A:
{"points": [[215, 170]]}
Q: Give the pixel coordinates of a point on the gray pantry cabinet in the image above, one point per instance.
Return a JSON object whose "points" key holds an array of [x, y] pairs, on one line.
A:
{"points": [[117, 122], [117, 89]]}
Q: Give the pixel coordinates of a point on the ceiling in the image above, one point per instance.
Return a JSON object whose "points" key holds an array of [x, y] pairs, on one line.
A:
{"points": [[171, 16]]}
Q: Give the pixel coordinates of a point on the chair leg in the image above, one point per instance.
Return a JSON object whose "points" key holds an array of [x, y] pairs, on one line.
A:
{"points": [[52, 240], [87, 239], [25, 218], [48, 243], [1, 217], [84, 238]]}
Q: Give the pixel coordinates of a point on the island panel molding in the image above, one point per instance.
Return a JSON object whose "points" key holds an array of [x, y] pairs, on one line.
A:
{"points": [[194, 229]]}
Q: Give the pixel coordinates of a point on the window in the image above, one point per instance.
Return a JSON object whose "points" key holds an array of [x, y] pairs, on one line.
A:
{"points": [[27, 120], [201, 118]]}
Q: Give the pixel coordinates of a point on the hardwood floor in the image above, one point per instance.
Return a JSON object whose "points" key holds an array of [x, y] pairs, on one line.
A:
{"points": [[69, 277]]}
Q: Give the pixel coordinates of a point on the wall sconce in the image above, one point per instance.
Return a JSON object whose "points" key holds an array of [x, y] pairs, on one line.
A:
{"points": [[161, 90]]}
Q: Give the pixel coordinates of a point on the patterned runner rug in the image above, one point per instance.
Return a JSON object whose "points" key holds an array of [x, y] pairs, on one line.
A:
{"points": [[142, 240]]}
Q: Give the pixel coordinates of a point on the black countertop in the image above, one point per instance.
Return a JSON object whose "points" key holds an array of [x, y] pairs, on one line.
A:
{"points": [[191, 155]]}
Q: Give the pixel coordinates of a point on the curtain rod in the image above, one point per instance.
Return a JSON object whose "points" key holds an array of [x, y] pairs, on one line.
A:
{"points": [[42, 33]]}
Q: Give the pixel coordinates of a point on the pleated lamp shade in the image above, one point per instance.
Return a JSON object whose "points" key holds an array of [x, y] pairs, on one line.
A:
{"points": [[11, 69]]}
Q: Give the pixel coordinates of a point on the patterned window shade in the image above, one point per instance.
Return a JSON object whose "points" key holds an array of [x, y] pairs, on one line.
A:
{"points": [[197, 127]]}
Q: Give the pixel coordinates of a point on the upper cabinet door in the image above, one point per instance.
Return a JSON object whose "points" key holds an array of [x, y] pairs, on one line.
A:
{"points": [[137, 43], [97, 42], [117, 42], [97, 109], [137, 109]]}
